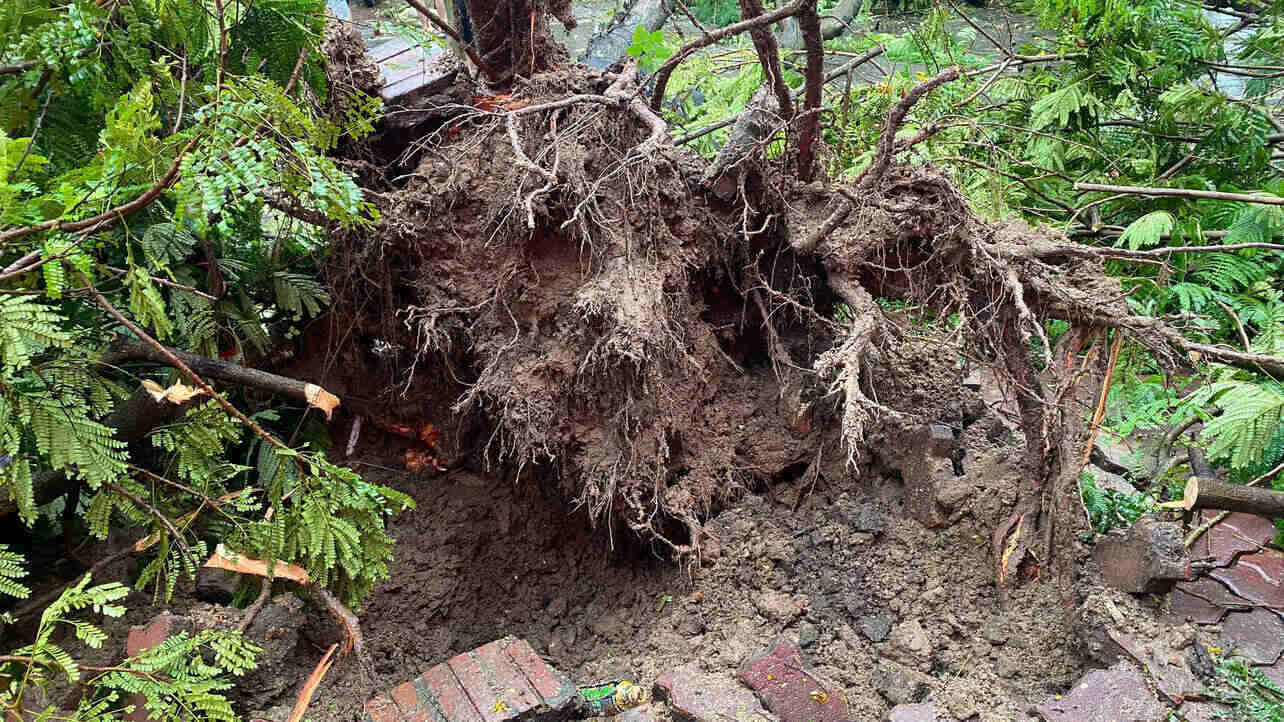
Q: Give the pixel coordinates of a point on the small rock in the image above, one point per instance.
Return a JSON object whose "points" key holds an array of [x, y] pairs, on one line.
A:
{"points": [[807, 635], [777, 605], [940, 439], [698, 697], [925, 712], [899, 684], [995, 632], [1147, 557], [691, 626], [951, 495], [911, 639], [875, 627]]}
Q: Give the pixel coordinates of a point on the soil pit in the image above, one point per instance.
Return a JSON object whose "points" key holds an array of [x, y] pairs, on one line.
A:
{"points": [[891, 611]]}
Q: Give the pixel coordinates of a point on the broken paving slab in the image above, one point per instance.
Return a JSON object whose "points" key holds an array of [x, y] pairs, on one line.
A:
{"points": [[1256, 577], [1239, 533], [1257, 635], [786, 687], [1118, 694], [1166, 667], [695, 696], [497, 682], [1204, 601]]}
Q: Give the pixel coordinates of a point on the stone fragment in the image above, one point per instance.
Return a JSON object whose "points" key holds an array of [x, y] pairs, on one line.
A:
{"points": [[699, 697], [910, 641], [1237, 534], [784, 685], [1204, 712], [777, 605], [1118, 694], [899, 684], [875, 627], [1257, 635], [1146, 557], [1256, 577], [1167, 668], [925, 712], [940, 440], [1204, 600], [498, 682]]}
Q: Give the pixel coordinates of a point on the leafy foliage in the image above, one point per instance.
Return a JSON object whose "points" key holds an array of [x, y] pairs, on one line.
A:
{"points": [[1109, 509], [156, 160]]}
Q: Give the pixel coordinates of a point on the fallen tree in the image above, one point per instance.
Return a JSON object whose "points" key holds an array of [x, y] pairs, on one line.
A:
{"points": [[610, 317]]}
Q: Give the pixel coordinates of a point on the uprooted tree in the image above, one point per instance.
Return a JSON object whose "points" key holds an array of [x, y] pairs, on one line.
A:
{"points": [[649, 333], [530, 266]]}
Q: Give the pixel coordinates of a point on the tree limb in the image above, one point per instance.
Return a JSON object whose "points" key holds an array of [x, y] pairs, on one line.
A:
{"points": [[129, 349], [666, 70], [1180, 193], [769, 53]]}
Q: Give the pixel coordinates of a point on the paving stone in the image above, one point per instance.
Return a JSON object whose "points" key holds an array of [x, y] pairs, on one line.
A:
{"points": [[503, 681], [1236, 534], [1203, 601], [1257, 635], [1204, 712], [786, 687], [1146, 557], [1118, 694], [1256, 577], [1166, 667], [699, 697], [925, 712]]}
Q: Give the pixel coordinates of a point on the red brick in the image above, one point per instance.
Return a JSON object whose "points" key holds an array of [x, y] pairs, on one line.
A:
{"points": [[407, 700], [514, 689], [449, 695], [698, 697], [468, 668], [381, 709], [146, 636], [787, 689], [556, 690]]}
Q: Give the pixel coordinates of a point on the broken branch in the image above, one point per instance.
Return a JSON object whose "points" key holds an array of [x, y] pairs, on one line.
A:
{"points": [[666, 70], [1181, 193]]}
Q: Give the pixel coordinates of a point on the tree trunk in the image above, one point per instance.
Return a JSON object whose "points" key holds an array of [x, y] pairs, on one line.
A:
{"points": [[513, 37], [1213, 494]]}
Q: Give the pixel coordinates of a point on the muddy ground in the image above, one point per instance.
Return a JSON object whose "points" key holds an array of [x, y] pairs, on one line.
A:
{"points": [[890, 610]]}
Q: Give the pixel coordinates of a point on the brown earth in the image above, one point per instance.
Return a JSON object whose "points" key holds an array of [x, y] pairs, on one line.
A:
{"points": [[832, 561]]}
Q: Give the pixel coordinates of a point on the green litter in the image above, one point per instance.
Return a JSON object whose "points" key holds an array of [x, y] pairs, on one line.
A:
{"points": [[611, 698]]}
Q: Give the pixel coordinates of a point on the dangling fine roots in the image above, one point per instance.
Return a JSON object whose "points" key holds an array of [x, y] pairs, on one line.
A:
{"points": [[603, 319]]}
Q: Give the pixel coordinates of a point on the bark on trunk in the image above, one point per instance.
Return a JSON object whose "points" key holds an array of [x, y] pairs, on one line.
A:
{"points": [[1213, 494]]}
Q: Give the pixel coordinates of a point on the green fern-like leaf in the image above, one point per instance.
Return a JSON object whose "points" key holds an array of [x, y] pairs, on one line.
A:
{"points": [[1147, 231]]}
